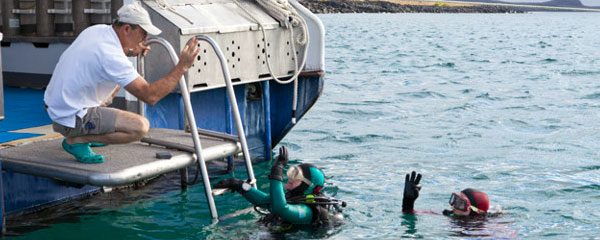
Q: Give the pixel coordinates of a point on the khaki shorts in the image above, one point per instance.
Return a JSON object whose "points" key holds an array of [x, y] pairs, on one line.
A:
{"points": [[98, 120]]}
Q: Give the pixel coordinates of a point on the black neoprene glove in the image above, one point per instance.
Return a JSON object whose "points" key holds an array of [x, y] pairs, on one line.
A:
{"points": [[280, 163], [411, 191], [234, 184]]}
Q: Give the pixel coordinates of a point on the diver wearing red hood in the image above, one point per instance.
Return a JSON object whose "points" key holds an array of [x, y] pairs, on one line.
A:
{"points": [[468, 202]]}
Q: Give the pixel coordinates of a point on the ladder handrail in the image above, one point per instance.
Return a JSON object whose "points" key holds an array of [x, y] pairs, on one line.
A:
{"points": [[234, 107], [192, 121], [190, 115]]}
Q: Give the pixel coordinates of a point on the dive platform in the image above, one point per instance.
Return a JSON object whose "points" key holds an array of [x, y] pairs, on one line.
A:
{"points": [[124, 163], [129, 163]]}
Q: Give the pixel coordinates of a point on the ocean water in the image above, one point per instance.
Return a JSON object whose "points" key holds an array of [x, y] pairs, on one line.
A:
{"points": [[508, 104]]}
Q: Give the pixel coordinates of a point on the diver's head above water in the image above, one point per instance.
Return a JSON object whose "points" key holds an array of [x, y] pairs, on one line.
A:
{"points": [[304, 179], [469, 202], [303, 203]]}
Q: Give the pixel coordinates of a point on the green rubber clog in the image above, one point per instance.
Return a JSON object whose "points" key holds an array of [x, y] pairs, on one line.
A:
{"points": [[82, 152], [97, 144]]}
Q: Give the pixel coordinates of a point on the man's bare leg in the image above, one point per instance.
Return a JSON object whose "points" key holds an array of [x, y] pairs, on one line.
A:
{"points": [[129, 127]]}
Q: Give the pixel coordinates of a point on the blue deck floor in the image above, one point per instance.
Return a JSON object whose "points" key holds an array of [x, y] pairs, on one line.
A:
{"points": [[24, 108]]}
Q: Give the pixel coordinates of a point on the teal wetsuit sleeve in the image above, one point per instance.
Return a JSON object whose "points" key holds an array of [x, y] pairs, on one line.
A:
{"points": [[257, 197], [292, 213]]}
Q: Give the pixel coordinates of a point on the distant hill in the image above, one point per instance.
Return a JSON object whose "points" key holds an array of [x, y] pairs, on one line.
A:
{"points": [[563, 3], [551, 3]]}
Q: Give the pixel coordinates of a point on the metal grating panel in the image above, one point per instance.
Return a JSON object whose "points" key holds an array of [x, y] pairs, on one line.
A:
{"points": [[245, 56], [212, 16], [234, 31]]}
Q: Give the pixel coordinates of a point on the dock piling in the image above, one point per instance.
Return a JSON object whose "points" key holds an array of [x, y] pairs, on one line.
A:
{"points": [[10, 20], [80, 20], [114, 7], [184, 178], [44, 21]]}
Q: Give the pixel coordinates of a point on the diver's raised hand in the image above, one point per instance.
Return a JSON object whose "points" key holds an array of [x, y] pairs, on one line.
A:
{"points": [[411, 191], [234, 184], [282, 158], [280, 162]]}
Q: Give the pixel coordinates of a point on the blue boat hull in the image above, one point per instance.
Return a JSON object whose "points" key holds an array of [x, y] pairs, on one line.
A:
{"points": [[266, 124]]}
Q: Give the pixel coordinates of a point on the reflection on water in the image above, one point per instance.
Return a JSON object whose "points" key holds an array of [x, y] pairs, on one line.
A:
{"points": [[481, 227], [409, 222], [469, 227]]}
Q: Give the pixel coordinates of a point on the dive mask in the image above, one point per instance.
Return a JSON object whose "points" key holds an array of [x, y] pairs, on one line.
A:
{"points": [[295, 173], [460, 202]]}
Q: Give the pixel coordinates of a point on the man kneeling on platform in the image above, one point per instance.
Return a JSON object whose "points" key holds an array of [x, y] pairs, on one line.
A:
{"points": [[89, 74], [304, 203]]}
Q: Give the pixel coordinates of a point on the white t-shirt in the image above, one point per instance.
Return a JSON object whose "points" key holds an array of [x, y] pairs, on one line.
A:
{"points": [[86, 74]]}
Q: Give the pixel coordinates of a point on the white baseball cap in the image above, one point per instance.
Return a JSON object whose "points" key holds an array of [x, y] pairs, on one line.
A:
{"points": [[136, 14]]}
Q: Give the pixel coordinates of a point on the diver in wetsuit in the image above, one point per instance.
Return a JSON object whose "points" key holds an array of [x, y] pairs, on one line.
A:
{"points": [[466, 203], [302, 204]]}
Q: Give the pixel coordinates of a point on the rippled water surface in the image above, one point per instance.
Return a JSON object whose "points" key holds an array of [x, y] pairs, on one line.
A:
{"points": [[508, 104]]}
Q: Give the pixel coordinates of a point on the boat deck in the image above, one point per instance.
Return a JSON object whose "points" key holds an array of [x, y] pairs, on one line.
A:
{"points": [[124, 163]]}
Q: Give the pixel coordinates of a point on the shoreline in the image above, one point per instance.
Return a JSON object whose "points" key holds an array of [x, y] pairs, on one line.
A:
{"points": [[399, 6]]}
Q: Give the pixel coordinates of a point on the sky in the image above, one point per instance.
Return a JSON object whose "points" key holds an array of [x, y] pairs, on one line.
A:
{"points": [[591, 3]]}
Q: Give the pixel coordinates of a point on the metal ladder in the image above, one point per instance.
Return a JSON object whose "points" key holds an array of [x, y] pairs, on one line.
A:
{"points": [[192, 121]]}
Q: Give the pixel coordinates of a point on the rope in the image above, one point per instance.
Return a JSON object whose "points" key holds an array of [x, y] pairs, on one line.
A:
{"points": [[165, 6], [288, 17], [284, 12]]}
